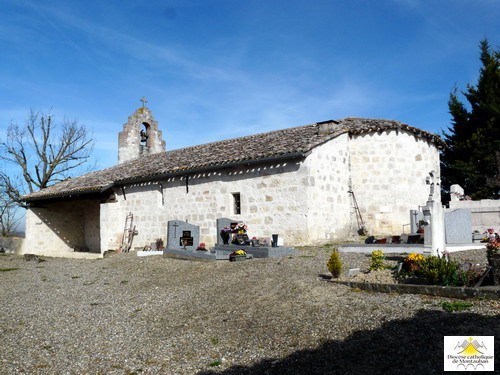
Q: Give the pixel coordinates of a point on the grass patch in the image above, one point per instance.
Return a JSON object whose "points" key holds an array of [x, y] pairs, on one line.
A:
{"points": [[8, 269], [75, 277], [215, 363], [455, 306], [214, 340], [124, 282], [136, 311]]}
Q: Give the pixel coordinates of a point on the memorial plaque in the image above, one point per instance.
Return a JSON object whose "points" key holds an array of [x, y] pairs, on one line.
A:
{"points": [[182, 235], [186, 239]]}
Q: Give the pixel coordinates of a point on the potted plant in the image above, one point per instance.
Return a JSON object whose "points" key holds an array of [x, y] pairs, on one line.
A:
{"points": [[493, 255], [201, 247], [159, 244], [237, 255]]}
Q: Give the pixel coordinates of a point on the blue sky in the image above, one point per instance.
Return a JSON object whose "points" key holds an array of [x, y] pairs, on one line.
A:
{"points": [[216, 69]]}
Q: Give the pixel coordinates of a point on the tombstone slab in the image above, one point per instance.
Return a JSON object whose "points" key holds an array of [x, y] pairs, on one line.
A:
{"points": [[182, 235], [222, 223], [458, 226]]}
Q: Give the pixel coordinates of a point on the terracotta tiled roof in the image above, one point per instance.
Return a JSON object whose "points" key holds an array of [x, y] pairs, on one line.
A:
{"points": [[286, 143]]}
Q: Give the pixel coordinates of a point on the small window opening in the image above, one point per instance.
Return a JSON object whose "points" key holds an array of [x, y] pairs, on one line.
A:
{"points": [[236, 203]]}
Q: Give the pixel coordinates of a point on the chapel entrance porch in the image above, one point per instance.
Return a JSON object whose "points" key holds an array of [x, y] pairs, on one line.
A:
{"points": [[63, 228]]}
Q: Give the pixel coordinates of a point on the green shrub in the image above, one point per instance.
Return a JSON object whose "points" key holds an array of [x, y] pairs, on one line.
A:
{"points": [[377, 260], [439, 271], [334, 264], [455, 306]]}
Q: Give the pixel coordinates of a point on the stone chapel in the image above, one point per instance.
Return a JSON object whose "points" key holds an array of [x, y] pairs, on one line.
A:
{"points": [[311, 184]]}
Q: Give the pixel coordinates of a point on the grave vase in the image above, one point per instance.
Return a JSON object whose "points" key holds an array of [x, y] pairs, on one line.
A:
{"points": [[275, 240], [225, 238], [237, 258]]}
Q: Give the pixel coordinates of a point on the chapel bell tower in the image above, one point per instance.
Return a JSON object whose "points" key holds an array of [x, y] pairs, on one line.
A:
{"points": [[140, 135]]}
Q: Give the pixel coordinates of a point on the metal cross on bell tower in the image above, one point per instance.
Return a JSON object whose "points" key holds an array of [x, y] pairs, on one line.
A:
{"points": [[144, 101]]}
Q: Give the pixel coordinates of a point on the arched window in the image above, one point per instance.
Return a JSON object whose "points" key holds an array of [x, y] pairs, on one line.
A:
{"points": [[145, 134]]}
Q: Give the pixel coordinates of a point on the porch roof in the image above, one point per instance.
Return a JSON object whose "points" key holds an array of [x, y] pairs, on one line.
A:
{"points": [[280, 144]]}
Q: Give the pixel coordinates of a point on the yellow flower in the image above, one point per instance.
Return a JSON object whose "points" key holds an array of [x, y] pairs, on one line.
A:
{"points": [[414, 257]]}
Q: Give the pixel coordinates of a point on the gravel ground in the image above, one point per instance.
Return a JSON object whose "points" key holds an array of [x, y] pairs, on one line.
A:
{"points": [[131, 315]]}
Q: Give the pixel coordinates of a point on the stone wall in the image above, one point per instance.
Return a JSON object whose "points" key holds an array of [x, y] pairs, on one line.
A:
{"points": [[485, 213], [388, 177], [330, 212], [273, 200], [61, 228], [305, 201], [144, 202]]}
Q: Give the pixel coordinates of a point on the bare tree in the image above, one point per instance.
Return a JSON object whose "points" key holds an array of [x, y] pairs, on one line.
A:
{"points": [[43, 152], [9, 221]]}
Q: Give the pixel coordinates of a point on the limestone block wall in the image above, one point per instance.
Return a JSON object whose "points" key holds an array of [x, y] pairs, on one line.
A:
{"points": [[273, 199], [143, 200], [61, 227], [485, 213], [388, 172], [329, 206]]}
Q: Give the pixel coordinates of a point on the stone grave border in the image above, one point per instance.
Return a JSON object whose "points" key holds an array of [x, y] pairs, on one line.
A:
{"points": [[432, 290]]}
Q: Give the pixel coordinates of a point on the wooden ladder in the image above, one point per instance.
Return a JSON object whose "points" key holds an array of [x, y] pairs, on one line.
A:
{"points": [[361, 225], [128, 233]]}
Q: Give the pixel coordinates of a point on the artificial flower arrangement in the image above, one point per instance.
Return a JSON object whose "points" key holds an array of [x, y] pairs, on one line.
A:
{"points": [[237, 255], [240, 252], [202, 247], [491, 235], [240, 228], [492, 248]]}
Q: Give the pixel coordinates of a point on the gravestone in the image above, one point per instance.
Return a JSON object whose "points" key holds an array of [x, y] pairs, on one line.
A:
{"points": [[182, 235], [456, 192], [458, 226], [222, 223]]}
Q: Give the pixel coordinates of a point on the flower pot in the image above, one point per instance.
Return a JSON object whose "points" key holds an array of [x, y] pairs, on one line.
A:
{"points": [[225, 238], [495, 263], [237, 258]]}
